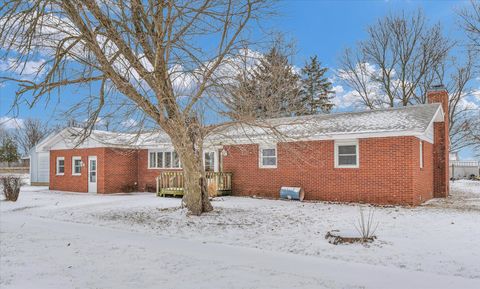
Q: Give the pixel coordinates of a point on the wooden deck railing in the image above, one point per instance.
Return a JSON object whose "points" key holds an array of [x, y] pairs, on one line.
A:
{"points": [[172, 183]]}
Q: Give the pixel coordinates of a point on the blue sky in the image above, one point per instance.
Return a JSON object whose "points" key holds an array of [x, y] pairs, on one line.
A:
{"points": [[326, 28], [323, 28]]}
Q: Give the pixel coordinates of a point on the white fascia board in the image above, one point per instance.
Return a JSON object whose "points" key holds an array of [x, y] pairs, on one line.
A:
{"points": [[426, 138], [428, 134], [59, 143], [160, 146], [344, 136], [439, 115], [169, 146], [48, 142]]}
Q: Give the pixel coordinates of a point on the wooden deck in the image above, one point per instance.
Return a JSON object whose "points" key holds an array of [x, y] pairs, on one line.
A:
{"points": [[172, 184]]}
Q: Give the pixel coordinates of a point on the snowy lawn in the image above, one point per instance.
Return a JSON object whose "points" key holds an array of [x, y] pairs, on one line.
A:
{"points": [[73, 240]]}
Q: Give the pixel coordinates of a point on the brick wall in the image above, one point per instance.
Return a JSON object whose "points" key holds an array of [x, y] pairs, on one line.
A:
{"points": [[423, 177], [441, 146], [69, 182], [146, 176], [121, 169], [116, 168], [388, 174], [389, 171]]}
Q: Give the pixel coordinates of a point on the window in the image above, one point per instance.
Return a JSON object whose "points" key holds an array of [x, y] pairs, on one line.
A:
{"points": [[176, 160], [421, 154], [346, 154], [76, 166], [60, 166], [152, 163], [268, 156], [159, 159], [209, 160], [163, 159], [155, 160], [168, 160]]}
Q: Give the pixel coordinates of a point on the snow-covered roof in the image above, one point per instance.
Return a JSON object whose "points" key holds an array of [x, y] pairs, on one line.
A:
{"points": [[121, 139], [410, 120], [70, 138]]}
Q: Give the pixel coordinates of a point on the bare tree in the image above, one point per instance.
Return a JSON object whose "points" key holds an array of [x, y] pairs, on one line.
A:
{"points": [[159, 56], [470, 16], [388, 68], [30, 133], [463, 116], [401, 59]]}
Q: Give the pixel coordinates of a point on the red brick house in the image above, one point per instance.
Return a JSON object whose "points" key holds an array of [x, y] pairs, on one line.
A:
{"points": [[388, 156]]}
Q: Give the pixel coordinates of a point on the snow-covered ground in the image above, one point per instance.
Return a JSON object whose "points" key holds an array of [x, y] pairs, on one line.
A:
{"points": [[73, 240]]}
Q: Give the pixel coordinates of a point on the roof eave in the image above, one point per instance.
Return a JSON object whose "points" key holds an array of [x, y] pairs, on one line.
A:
{"points": [[327, 136]]}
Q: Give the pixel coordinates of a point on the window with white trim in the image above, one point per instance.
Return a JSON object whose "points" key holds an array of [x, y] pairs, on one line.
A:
{"points": [[60, 166], [209, 161], [346, 154], [421, 154], [163, 160], [176, 160], [268, 156], [76, 166], [152, 160]]}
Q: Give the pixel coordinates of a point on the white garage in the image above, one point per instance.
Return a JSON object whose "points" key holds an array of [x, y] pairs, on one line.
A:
{"points": [[40, 162], [39, 168]]}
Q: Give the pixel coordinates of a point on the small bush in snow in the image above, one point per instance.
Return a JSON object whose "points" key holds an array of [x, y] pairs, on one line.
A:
{"points": [[366, 224], [11, 187]]}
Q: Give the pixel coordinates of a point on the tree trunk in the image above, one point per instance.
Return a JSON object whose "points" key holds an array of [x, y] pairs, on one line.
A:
{"points": [[189, 145], [195, 195]]}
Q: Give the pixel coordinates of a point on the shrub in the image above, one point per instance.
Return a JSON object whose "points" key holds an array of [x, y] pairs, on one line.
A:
{"points": [[150, 188], [130, 188], [366, 225], [11, 187]]}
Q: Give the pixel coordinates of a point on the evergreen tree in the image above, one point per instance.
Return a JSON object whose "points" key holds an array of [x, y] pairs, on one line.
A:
{"points": [[8, 149], [316, 88], [269, 89]]}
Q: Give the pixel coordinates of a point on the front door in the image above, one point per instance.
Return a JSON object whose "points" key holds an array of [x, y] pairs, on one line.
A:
{"points": [[92, 174]]}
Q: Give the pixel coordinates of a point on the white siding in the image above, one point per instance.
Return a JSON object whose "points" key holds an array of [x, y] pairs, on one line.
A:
{"points": [[43, 167], [463, 169], [33, 165], [39, 166], [429, 133]]}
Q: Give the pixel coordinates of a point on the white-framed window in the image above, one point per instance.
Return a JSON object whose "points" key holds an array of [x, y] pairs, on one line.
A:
{"points": [[163, 160], [268, 156], [209, 161], [76, 166], [421, 154], [346, 154], [60, 166], [152, 160], [176, 160], [167, 159]]}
